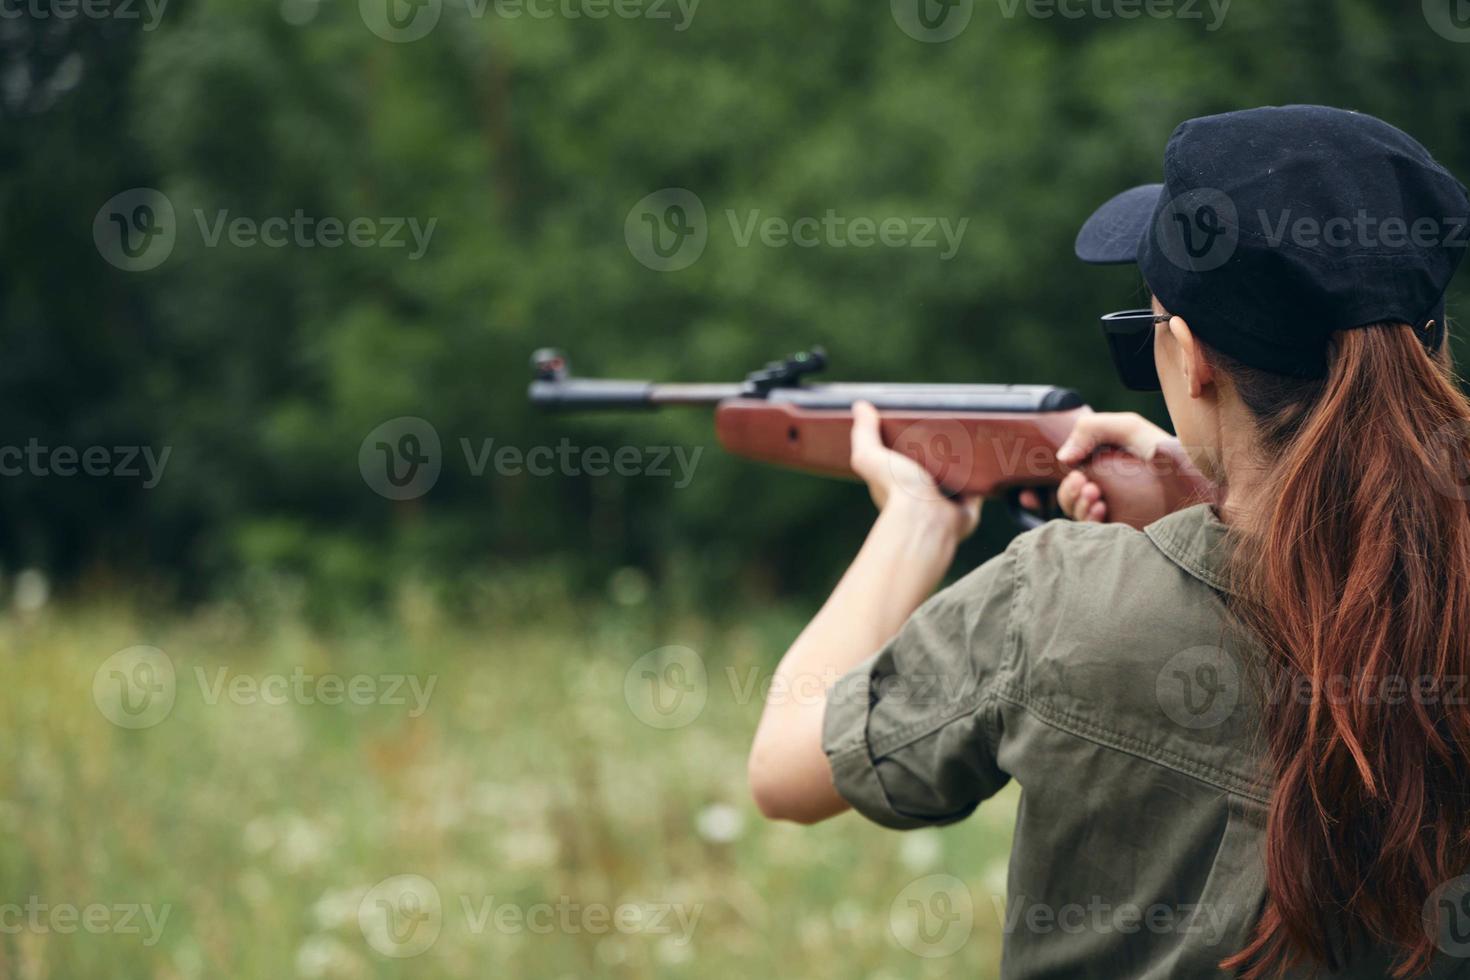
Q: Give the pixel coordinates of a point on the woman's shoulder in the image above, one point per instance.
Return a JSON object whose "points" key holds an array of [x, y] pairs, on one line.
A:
{"points": [[1175, 555], [1115, 637]]}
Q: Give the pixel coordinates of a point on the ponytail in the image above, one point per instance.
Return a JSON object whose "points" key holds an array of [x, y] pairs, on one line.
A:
{"points": [[1352, 572]]}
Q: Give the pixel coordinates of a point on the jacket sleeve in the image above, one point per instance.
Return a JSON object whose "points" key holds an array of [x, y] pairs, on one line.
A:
{"points": [[912, 733]]}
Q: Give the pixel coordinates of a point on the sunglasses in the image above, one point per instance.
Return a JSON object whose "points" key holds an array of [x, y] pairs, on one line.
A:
{"points": [[1130, 337]]}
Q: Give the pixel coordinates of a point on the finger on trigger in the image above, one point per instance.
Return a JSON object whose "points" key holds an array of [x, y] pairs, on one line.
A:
{"points": [[1069, 490]]}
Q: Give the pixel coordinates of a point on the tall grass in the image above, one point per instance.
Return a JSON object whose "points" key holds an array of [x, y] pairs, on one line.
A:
{"points": [[527, 793]]}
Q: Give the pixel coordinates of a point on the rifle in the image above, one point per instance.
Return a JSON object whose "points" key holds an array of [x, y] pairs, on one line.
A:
{"points": [[996, 440]]}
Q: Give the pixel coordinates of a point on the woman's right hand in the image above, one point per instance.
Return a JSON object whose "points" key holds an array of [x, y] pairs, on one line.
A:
{"points": [[1106, 488]]}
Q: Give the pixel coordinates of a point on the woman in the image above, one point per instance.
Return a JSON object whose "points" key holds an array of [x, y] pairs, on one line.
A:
{"points": [[1251, 715]]}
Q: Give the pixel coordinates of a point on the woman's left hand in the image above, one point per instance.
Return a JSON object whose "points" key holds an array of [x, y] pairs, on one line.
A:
{"points": [[896, 481]]}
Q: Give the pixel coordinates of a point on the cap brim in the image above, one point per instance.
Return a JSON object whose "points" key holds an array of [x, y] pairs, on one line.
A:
{"points": [[1112, 234]]}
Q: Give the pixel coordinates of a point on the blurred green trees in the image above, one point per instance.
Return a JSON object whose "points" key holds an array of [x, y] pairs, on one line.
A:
{"points": [[527, 140]]}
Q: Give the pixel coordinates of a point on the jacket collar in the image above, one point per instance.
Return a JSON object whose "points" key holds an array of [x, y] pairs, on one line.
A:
{"points": [[1197, 541]]}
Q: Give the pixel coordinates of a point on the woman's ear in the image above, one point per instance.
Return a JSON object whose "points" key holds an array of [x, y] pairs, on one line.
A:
{"points": [[1198, 371]]}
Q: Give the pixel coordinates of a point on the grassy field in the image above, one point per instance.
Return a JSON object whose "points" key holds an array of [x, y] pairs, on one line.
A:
{"points": [[510, 794]]}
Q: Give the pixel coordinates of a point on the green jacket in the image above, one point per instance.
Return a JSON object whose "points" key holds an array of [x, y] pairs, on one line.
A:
{"points": [[1097, 667]]}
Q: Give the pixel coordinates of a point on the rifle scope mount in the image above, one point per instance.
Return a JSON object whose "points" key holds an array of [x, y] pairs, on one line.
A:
{"points": [[787, 373]]}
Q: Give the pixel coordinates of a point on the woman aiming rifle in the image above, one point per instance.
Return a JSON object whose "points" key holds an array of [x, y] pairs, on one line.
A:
{"points": [[1251, 713]]}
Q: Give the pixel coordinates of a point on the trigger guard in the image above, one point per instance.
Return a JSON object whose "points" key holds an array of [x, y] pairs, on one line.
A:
{"points": [[1026, 520]]}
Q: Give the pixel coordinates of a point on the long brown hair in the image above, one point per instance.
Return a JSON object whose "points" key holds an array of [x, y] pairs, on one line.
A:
{"points": [[1352, 572]]}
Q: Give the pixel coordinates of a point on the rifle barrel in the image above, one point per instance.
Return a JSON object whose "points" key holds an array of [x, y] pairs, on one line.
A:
{"points": [[600, 394], [700, 393], [592, 394], [932, 397]]}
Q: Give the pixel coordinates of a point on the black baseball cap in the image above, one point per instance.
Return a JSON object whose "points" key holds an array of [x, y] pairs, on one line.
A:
{"points": [[1277, 226]]}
